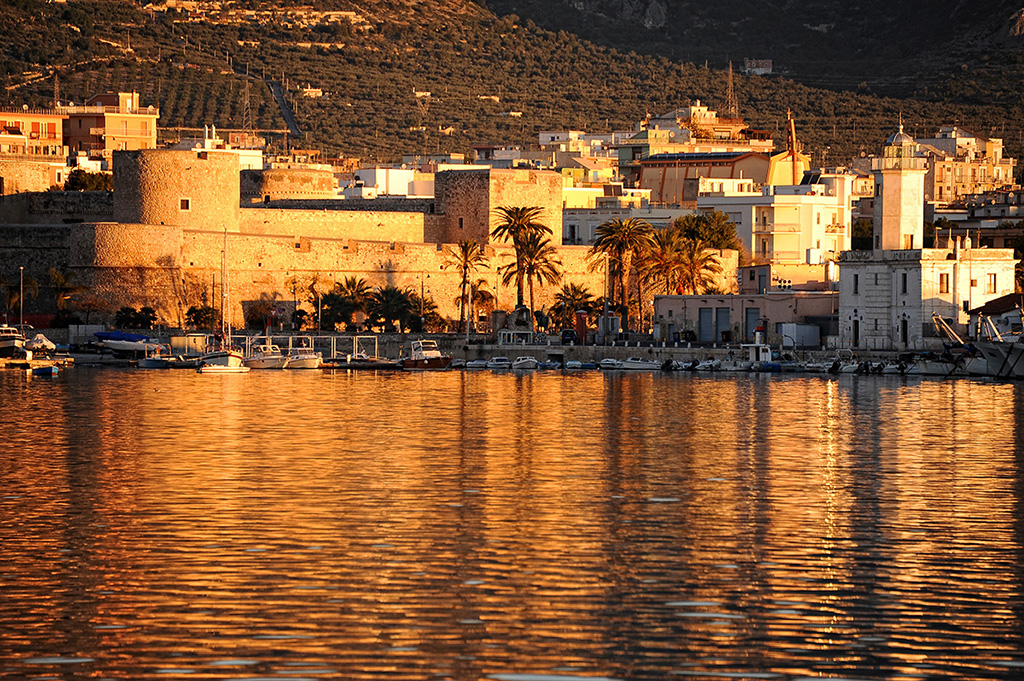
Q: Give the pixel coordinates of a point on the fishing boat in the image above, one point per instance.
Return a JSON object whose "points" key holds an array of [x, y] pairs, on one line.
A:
{"points": [[499, 364], [610, 364], [640, 364], [425, 356], [476, 364]]}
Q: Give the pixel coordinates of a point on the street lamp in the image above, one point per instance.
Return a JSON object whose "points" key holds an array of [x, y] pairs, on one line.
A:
{"points": [[21, 298]]}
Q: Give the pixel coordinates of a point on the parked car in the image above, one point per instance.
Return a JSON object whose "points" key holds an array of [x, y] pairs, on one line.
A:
{"points": [[569, 337]]}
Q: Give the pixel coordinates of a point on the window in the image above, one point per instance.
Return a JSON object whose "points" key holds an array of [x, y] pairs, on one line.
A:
{"points": [[974, 283], [185, 204], [856, 284], [943, 283], [460, 223], [751, 275], [990, 285], [903, 283]]}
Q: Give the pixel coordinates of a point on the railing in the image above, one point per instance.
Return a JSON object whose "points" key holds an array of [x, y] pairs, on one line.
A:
{"points": [[770, 228], [144, 111]]}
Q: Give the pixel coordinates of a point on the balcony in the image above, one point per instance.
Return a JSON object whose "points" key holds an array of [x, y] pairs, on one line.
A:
{"points": [[142, 111], [777, 227]]}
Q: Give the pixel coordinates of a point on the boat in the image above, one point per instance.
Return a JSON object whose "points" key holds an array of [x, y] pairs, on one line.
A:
{"points": [[266, 356], [125, 344], [48, 370], [573, 365], [222, 369], [12, 342], [476, 364], [40, 344], [709, 364], [549, 365], [425, 356], [156, 358], [304, 357], [610, 363], [640, 364], [225, 357], [525, 363], [499, 364]]}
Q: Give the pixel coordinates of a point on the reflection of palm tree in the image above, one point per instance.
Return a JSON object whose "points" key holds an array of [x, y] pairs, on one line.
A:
{"points": [[537, 260], [517, 223], [64, 286], [468, 257], [698, 265], [622, 241], [568, 300]]}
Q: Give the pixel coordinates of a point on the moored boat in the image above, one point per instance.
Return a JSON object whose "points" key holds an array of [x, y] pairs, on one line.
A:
{"points": [[425, 356], [266, 356], [222, 369], [610, 363], [12, 341], [304, 357], [525, 363], [499, 364], [476, 364]]}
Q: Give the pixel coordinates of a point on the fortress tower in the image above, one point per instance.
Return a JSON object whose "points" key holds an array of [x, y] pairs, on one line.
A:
{"points": [[185, 188]]}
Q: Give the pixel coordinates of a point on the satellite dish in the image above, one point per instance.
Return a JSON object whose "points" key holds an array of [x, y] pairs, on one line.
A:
{"points": [[24, 107]]}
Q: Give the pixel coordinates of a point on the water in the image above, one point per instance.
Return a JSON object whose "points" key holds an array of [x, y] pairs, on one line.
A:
{"points": [[307, 525]]}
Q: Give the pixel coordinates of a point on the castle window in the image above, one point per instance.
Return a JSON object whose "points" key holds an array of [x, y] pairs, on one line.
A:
{"points": [[856, 284], [298, 244], [974, 283], [185, 204], [460, 223], [903, 283]]}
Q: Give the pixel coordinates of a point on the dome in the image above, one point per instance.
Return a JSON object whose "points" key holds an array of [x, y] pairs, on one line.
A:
{"points": [[899, 138]]}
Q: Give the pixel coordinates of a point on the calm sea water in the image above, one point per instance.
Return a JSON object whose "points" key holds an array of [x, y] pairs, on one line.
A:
{"points": [[308, 525]]}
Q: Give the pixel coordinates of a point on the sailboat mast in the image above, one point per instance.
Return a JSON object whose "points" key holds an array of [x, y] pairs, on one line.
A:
{"points": [[225, 322]]}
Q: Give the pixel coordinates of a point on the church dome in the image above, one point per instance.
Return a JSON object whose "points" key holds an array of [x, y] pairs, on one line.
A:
{"points": [[899, 138]]}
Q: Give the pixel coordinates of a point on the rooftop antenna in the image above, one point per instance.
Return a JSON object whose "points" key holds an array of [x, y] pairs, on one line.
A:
{"points": [[56, 89]]}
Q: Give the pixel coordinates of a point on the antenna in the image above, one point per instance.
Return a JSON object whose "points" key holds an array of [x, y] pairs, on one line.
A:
{"points": [[732, 107]]}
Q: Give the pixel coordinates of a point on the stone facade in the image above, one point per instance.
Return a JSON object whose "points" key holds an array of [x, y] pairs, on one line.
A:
{"points": [[18, 176]]}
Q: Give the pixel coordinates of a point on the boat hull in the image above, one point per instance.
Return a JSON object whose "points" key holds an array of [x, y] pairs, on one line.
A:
{"points": [[222, 369], [225, 358], [425, 364]]}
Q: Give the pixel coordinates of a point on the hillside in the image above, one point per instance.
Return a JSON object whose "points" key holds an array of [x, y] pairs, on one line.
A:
{"points": [[371, 60]]}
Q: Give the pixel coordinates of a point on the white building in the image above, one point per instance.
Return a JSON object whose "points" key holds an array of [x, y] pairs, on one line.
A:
{"points": [[887, 295], [804, 223]]}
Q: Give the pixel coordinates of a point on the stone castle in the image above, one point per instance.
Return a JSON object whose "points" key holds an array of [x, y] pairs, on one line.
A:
{"points": [[175, 217]]}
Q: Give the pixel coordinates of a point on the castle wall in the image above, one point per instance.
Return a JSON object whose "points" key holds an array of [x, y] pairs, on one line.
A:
{"points": [[287, 183], [187, 188], [23, 176], [55, 208], [334, 224]]}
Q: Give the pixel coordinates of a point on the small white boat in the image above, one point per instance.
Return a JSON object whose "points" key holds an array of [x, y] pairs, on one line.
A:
{"points": [[266, 356], [573, 365], [225, 358], [499, 364], [304, 357], [12, 341], [525, 363], [424, 355], [640, 364], [476, 364], [709, 364], [222, 369], [610, 363]]}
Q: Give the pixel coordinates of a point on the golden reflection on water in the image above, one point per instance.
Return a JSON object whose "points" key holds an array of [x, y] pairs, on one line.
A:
{"points": [[467, 525]]}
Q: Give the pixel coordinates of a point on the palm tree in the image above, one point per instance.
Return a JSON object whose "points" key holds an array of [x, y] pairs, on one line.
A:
{"points": [[468, 257], [663, 261], [568, 300], [391, 307], [622, 241], [516, 224], [344, 300], [698, 265], [536, 260], [64, 286]]}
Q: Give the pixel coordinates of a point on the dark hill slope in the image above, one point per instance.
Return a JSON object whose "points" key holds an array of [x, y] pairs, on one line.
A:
{"points": [[477, 67]]}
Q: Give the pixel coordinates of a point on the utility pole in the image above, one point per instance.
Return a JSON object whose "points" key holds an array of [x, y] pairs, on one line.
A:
{"points": [[21, 298]]}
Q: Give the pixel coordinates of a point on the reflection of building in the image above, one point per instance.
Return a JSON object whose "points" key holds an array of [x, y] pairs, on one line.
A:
{"points": [[887, 295], [110, 122]]}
